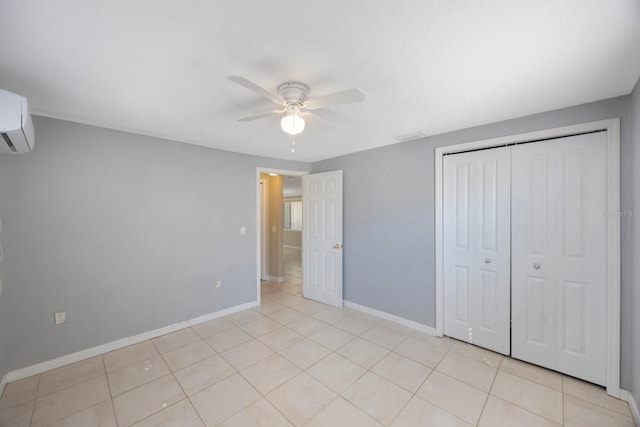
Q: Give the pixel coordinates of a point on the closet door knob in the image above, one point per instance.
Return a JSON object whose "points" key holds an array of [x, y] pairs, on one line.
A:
{"points": [[536, 266], [487, 260]]}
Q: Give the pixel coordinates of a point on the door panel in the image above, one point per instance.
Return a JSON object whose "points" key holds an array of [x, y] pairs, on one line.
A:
{"points": [[461, 191], [582, 274], [488, 291], [476, 247], [559, 242], [532, 220], [575, 299], [489, 206], [322, 237], [458, 257], [461, 296]]}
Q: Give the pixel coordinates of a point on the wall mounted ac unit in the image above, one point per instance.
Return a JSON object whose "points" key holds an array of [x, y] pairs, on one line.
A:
{"points": [[16, 127]]}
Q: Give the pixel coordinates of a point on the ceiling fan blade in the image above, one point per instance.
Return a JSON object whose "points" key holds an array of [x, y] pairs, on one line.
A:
{"points": [[344, 97], [261, 115], [315, 120], [257, 89]]}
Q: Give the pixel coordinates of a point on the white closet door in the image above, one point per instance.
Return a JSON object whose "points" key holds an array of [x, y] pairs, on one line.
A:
{"points": [[476, 247], [559, 283]]}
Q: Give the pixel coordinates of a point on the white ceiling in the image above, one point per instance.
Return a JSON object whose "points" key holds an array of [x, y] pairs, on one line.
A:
{"points": [[160, 67]]}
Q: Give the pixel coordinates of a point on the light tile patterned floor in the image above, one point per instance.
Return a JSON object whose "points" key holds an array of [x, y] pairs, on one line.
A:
{"points": [[296, 362]]}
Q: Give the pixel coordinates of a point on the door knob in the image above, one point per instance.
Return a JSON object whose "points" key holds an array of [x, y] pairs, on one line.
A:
{"points": [[536, 266], [337, 246], [487, 260]]}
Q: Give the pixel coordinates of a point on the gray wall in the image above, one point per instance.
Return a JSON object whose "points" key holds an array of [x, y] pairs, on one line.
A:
{"points": [[635, 337], [389, 215], [126, 233]]}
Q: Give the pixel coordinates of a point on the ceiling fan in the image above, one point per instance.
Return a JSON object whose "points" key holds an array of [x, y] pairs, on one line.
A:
{"points": [[293, 97]]}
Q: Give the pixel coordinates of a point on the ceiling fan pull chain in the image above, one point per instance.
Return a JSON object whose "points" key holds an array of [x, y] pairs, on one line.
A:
{"points": [[293, 144]]}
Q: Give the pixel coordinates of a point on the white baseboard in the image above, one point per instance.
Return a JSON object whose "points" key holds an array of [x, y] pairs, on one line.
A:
{"points": [[633, 406], [39, 368], [292, 247], [275, 279], [401, 320], [3, 382]]}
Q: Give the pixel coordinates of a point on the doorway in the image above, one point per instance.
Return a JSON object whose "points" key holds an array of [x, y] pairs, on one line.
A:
{"points": [[279, 219], [320, 237]]}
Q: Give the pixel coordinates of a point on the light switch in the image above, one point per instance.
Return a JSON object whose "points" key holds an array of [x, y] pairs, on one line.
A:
{"points": [[243, 231]]}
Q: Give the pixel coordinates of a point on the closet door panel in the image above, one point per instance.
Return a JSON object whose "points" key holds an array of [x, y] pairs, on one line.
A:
{"points": [[476, 247], [582, 245], [533, 291], [491, 308], [559, 289], [457, 246]]}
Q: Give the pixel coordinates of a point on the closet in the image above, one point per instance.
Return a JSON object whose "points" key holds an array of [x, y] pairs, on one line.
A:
{"points": [[525, 252]]}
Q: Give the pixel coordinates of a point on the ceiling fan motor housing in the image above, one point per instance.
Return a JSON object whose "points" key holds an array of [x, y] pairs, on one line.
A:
{"points": [[293, 92]]}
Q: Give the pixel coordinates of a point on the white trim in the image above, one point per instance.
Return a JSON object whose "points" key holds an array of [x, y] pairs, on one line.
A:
{"points": [[633, 406], [612, 126], [439, 242], [39, 368], [392, 318], [260, 170], [3, 383], [263, 236], [613, 258], [292, 247], [276, 279]]}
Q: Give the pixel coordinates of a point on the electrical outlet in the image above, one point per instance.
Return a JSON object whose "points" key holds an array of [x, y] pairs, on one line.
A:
{"points": [[218, 283], [60, 317]]}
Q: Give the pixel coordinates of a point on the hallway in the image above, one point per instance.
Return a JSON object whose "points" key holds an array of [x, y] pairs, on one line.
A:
{"points": [[292, 272]]}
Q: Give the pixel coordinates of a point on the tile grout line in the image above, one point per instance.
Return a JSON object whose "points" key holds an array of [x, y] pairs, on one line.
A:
{"points": [[33, 408], [144, 383], [73, 385], [113, 406], [540, 385], [278, 409], [187, 397], [562, 401], [449, 350], [596, 404], [337, 395], [493, 381]]}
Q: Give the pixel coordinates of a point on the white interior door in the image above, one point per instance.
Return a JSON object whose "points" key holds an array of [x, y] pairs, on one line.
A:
{"points": [[477, 247], [322, 237], [559, 247]]}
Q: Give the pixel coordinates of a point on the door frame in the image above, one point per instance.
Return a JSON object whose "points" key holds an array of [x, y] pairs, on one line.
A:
{"points": [[612, 127], [264, 221], [260, 170]]}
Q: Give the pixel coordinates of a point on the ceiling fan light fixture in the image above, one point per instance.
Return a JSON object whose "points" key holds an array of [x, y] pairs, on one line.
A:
{"points": [[292, 123]]}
